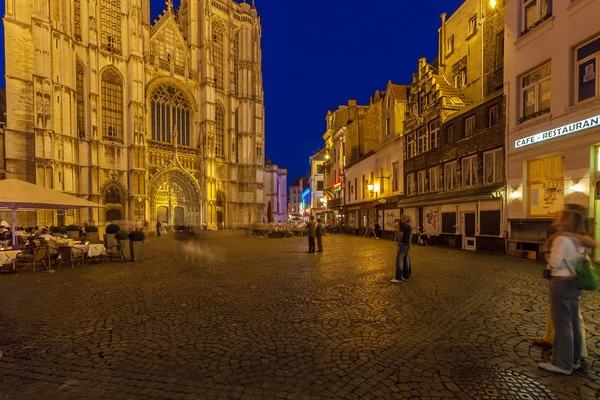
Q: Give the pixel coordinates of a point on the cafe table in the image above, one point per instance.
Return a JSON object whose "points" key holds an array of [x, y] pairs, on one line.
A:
{"points": [[9, 257]]}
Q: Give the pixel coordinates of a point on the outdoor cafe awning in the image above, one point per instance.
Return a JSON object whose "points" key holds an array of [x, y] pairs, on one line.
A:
{"points": [[17, 194]]}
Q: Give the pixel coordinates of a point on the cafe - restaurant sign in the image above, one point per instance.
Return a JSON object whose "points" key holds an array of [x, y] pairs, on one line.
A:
{"points": [[557, 132]]}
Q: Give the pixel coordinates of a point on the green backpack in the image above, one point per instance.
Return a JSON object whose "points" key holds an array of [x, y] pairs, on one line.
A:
{"points": [[586, 271], [586, 274]]}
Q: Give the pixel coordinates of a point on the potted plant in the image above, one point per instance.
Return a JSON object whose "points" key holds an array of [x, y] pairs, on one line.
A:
{"points": [[123, 237], [73, 231], [136, 245], [55, 230], [92, 232], [62, 230], [109, 236]]}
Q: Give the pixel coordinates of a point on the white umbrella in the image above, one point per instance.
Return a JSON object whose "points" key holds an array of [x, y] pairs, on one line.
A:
{"points": [[17, 194]]}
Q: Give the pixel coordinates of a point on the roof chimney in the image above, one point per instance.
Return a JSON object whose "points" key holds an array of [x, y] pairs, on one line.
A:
{"points": [[442, 45]]}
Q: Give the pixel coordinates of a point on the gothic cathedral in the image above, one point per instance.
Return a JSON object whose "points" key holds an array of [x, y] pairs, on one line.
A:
{"points": [[158, 120]]}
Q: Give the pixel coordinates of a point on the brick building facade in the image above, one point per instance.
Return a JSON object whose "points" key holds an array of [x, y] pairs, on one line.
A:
{"points": [[454, 134]]}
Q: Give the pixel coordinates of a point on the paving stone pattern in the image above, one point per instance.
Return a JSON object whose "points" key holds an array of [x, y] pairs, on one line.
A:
{"points": [[258, 318]]}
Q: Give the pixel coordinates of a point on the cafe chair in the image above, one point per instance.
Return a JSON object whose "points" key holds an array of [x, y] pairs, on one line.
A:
{"points": [[72, 255], [116, 251], [39, 256]]}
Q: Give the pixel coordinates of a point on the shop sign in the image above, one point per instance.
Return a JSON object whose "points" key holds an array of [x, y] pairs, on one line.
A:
{"points": [[562, 131]]}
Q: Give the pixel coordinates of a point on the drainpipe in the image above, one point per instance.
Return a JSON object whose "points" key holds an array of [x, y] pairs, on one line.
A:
{"points": [[506, 90], [442, 45]]}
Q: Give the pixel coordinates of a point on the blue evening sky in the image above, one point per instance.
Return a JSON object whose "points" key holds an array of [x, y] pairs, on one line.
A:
{"points": [[319, 54]]}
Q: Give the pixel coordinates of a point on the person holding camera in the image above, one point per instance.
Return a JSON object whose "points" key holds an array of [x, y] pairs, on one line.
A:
{"points": [[566, 246], [403, 267]]}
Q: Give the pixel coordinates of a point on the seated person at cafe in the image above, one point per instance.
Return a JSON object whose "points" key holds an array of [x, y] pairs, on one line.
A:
{"points": [[45, 234]]}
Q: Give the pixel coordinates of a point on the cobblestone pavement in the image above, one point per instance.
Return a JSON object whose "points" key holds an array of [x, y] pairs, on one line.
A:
{"points": [[257, 318]]}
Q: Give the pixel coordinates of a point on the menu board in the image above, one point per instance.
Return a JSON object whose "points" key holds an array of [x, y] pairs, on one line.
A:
{"points": [[546, 199]]}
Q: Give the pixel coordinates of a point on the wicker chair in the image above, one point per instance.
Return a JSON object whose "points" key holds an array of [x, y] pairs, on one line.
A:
{"points": [[39, 256], [116, 251], [72, 255]]}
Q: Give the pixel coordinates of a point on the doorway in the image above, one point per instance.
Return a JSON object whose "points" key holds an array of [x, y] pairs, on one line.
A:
{"points": [[469, 222], [179, 220], [162, 214]]}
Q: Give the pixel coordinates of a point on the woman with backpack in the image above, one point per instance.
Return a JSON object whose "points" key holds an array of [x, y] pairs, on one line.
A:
{"points": [[565, 254]]}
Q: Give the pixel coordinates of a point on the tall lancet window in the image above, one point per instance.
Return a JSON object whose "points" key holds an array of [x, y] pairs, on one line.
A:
{"points": [[170, 111], [80, 99], [217, 31], [77, 15], [110, 25], [220, 139], [236, 60], [236, 139], [112, 105]]}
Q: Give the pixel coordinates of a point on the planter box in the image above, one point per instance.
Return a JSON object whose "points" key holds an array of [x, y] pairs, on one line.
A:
{"points": [[137, 250], [92, 236], [73, 234], [127, 250], [109, 240]]}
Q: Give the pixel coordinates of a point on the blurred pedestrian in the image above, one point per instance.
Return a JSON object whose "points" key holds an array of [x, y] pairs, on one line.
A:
{"points": [[158, 227], [565, 297], [403, 267], [319, 233], [311, 232]]}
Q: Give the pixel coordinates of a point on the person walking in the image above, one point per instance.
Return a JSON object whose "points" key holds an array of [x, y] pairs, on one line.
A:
{"points": [[319, 233], [311, 232], [403, 267], [158, 227], [564, 295]]}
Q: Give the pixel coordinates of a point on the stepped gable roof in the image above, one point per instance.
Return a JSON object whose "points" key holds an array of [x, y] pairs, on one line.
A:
{"points": [[399, 91], [450, 91]]}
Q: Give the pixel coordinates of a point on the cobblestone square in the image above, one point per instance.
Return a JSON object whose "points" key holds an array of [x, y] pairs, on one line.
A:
{"points": [[258, 318]]}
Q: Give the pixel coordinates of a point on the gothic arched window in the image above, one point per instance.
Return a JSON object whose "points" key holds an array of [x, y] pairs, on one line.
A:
{"points": [[77, 15], [220, 142], [112, 195], [112, 105], [236, 60], [217, 36], [170, 110], [80, 99], [110, 25]]}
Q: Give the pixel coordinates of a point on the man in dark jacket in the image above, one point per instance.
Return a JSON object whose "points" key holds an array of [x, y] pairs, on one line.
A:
{"points": [[319, 235], [403, 268], [311, 231]]}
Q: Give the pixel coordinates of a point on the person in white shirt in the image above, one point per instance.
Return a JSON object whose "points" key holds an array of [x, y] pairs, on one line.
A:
{"points": [[564, 295], [45, 234]]}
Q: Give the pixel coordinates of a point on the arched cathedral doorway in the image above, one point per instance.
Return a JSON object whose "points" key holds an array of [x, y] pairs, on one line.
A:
{"points": [[175, 199]]}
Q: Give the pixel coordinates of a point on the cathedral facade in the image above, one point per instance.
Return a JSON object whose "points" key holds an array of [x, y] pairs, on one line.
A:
{"points": [[156, 120]]}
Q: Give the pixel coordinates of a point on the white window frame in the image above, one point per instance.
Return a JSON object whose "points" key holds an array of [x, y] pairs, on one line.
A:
{"points": [[470, 126], [450, 134], [493, 121], [395, 176], [536, 91], [450, 174], [538, 13], [595, 57], [434, 179], [422, 182], [450, 44], [434, 134], [410, 145], [422, 141], [496, 157], [410, 184], [469, 171], [472, 25], [460, 78]]}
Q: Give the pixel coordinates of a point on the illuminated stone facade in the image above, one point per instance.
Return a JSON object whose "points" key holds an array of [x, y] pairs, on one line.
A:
{"points": [[161, 120]]}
